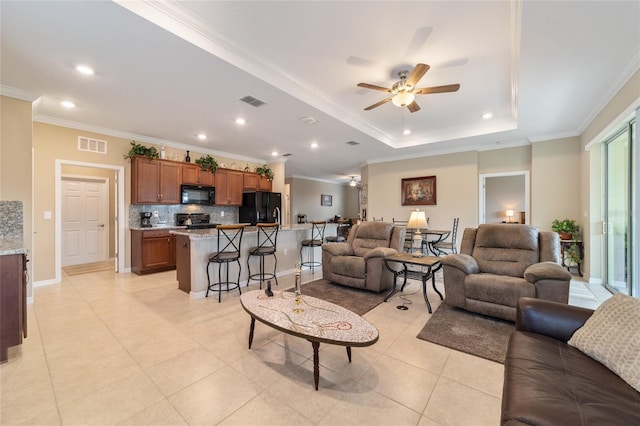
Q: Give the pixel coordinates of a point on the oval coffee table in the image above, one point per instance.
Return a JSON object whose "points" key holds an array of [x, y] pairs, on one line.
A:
{"points": [[313, 319]]}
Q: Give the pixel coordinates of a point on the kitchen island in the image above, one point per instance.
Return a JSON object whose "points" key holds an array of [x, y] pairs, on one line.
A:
{"points": [[193, 248]]}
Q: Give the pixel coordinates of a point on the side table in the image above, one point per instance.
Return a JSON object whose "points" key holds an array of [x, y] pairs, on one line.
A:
{"points": [[421, 268], [566, 246]]}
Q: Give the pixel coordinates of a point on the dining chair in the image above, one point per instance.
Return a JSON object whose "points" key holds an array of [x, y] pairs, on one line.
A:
{"points": [[442, 247]]}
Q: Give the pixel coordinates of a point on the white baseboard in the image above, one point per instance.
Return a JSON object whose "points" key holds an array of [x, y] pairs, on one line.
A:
{"points": [[45, 282], [593, 280]]}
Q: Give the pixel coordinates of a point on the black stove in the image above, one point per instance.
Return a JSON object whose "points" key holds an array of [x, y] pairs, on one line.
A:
{"points": [[195, 220]]}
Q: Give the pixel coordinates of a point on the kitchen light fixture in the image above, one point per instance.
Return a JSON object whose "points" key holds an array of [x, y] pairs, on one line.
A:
{"points": [[83, 69], [487, 115], [353, 182], [240, 121], [406, 132], [202, 136], [68, 104], [274, 153], [314, 145], [417, 221]]}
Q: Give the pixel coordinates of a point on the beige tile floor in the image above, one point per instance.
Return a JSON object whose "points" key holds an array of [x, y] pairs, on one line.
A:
{"points": [[108, 348]]}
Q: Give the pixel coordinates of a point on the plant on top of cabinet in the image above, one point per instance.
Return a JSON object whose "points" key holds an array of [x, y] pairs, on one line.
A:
{"points": [[138, 149], [265, 171], [207, 163]]}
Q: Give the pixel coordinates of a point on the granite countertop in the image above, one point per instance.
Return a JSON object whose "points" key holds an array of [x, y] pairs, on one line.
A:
{"points": [[213, 233], [156, 227], [10, 245]]}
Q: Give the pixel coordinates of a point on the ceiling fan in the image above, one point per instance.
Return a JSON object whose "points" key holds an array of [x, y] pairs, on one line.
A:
{"points": [[404, 91]]}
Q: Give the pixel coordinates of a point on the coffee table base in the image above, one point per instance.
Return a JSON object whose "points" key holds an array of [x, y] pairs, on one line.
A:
{"points": [[316, 355]]}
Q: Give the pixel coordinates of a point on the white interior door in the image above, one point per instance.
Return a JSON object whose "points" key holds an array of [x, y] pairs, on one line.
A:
{"points": [[84, 224]]}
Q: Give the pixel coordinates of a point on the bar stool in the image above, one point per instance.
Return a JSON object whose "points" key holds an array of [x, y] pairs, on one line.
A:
{"points": [[229, 241], [266, 246], [317, 237], [341, 233]]}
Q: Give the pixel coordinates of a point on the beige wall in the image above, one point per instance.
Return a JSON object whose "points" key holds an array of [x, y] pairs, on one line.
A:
{"points": [[555, 182], [15, 165], [305, 199], [456, 189], [505, 160]]}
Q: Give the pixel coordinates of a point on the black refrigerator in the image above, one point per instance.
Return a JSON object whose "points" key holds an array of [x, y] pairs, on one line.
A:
{"points": [[261, 207]]}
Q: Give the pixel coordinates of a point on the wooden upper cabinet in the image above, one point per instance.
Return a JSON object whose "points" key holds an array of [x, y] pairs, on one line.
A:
{"points": [[250, 181], [190, 173], [170, 180], [229, 185], [264, 184], [206, 178], [155, 181]]}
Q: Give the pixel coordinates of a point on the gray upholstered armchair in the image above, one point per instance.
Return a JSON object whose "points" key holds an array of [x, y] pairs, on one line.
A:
{"points": [[500, 263], [358, 262]]}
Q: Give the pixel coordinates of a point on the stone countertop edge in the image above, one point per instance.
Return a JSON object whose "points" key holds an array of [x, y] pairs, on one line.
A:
{"points": [[10, 246], [213, 233], [157, 228]]}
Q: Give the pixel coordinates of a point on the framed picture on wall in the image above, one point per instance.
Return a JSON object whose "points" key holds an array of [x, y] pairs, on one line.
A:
{"points": [[419, 191], [326, 200]]}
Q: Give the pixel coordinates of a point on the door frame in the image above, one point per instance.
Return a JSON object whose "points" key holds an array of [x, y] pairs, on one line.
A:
{"points": [[481, 193], [107, 227], [120, 216]]}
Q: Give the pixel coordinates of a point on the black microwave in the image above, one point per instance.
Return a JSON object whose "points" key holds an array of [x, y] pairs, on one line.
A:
{"points": [[198, 194]]}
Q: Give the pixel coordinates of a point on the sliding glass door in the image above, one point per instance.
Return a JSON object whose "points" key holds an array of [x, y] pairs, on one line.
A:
{"points": [[618, 196]]}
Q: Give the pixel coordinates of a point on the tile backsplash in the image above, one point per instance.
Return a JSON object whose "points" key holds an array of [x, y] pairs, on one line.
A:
{"points": [[167, 213]]}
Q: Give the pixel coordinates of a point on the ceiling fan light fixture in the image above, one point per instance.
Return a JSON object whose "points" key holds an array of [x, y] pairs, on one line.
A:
{"points": [[353, 182], [403, 99]]}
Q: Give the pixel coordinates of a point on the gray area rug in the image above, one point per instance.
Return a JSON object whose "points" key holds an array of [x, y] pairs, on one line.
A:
{"points": [[355, 300], [464, 331]]}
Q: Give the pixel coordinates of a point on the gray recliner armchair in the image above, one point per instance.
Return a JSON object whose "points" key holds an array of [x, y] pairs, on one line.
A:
{"points": [[499, 263], [359, 262]]}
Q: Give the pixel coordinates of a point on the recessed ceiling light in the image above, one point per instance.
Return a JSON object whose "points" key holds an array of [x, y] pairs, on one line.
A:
{"points": [[202, 136], [274, 153], [240, 121], [83, 69], [68, 104], [487, 115], [406, 132], [314, 145]]}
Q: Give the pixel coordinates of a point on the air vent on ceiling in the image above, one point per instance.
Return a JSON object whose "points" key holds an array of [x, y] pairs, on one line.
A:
{"points": [[286, 155], [92, 145], [252, 101], [353, 143]]}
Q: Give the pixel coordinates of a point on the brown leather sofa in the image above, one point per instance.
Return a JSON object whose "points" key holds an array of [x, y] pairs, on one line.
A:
{"points": [[500, 263], [548, 382], [359, 262]]}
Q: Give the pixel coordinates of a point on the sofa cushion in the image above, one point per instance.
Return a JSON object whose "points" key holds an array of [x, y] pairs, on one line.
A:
{"points": [[349, 266], [506, 249], [371, 235], [498, 289], [612, 336], [549, 382]]}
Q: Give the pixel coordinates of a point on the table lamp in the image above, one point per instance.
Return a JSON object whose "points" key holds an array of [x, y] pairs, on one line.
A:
{"points": [[509, 215], [417, 221]]}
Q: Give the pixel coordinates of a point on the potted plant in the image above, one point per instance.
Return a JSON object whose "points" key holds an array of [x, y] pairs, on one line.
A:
{"points": [[265, 171], [207, 163], [573, 254], [568, 229], [138, 149]]}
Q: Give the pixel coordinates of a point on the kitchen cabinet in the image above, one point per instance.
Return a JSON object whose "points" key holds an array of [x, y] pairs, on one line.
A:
{"points": [[229, 184], [155, 181], [264, 184], [193, 174], [13, 302], [183, 262], [255, 182], [152, 251]]}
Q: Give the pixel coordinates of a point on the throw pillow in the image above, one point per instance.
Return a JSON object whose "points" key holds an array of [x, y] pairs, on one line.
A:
{"points": [[612, 336]]}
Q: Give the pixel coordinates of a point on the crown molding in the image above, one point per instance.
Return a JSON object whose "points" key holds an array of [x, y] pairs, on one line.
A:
{"points": [[13, 92]]}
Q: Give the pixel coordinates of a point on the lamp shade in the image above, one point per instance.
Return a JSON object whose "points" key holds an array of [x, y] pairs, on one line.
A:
{"points": [[417, 220], [509, 213]]}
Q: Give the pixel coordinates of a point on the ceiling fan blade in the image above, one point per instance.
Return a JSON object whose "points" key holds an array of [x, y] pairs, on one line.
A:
{"points": [[437, 89], [418, 72], [374, 87], [413, 107], [382, 102]]}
